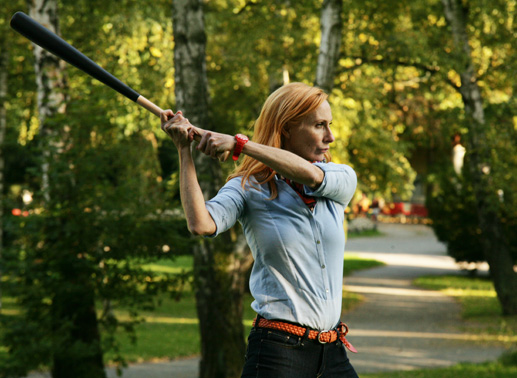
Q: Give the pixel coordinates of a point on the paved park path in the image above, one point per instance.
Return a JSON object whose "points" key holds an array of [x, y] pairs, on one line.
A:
{"points": [[398, 326]]}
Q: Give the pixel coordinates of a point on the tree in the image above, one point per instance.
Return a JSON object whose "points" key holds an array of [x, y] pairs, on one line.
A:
{"points": [[78, 256], [4, 60], [331, 37], [72, 307], [480, 162], [455, 66], [218, 265]]}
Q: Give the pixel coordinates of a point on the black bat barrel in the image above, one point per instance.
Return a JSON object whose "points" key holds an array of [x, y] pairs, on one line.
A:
{"points": [[48, 40]]}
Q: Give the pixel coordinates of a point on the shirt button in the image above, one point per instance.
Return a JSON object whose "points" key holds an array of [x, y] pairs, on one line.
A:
{"points": [[318, 242], [323, 267], [327, 290]]}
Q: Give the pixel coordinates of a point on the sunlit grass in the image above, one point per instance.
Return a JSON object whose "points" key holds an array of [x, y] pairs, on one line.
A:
{"points": [[178, 265], [354, 263], [170, 331], [487, 370], [480, 307], [365, 233]]}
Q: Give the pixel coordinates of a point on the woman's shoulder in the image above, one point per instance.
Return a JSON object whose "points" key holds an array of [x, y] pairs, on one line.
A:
{"points": [[249, 183], [247, 186]]}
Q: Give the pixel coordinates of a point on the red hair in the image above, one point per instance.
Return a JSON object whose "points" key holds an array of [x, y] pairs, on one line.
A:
{"points": [[288, 105]]}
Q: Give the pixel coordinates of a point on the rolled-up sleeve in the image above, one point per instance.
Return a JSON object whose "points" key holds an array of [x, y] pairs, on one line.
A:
{"points": [[227, 206], [339, 183]]}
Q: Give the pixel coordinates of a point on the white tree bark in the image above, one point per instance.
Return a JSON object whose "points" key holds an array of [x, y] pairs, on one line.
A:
{"points": [[331, 36], [51, 83]]}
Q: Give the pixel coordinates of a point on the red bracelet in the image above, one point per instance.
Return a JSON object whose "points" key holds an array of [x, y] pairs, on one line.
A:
{"points": [[240, 140]]}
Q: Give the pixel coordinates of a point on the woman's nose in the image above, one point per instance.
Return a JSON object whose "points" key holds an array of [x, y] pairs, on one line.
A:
{"points": [[329, 137]]}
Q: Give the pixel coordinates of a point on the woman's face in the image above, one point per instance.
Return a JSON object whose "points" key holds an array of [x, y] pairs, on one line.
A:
{"points": [[311, 138]]}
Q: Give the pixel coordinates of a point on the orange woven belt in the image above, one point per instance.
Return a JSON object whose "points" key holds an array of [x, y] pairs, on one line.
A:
{"points": [[322, 337]]}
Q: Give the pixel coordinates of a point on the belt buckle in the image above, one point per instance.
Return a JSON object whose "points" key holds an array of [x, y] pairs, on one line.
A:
{"points": [[319, 338]]}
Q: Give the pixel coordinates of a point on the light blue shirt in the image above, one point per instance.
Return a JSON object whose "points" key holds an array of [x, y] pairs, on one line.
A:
{"points": [[298, 271]]}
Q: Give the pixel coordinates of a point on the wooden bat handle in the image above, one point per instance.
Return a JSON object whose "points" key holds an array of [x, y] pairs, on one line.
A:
{"points": [[152, 107]]}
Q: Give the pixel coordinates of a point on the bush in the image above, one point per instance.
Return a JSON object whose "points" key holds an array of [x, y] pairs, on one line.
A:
{"points": [[452, 209]]}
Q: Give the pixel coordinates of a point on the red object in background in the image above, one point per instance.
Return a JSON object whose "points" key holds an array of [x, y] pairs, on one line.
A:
{"points": [[407, 209], [418, 210], [398, 208], [19, 213]]}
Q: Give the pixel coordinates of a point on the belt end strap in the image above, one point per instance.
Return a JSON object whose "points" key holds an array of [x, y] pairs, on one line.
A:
{"points": [[343, 330]]}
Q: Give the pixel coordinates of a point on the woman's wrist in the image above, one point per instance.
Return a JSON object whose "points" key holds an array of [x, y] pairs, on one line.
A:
{"points": [[184, 150]]}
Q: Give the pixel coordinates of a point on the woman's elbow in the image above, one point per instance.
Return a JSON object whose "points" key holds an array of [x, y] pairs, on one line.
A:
{"points": [[316, 179], [199, 229]]}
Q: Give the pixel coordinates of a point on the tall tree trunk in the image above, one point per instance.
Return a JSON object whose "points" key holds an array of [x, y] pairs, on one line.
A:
{"points": [[496, 244], [219, 264], [51, 83], [4, 59], [331, 36], [77, 352]]}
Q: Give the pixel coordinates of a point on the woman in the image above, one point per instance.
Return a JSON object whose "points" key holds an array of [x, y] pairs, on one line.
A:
{"points": [[290, 201]]}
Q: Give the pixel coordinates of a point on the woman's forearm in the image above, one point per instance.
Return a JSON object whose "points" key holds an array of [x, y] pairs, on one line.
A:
{"points": [[199, 220], [286, 163]]}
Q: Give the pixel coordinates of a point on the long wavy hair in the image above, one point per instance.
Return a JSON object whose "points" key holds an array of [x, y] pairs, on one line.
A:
{"points": [[287, 106]]}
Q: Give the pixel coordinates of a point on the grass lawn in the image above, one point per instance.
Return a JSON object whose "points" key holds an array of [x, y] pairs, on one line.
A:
{"points": [[480, 307], [365, 233], [355, 263], [488, 370]]}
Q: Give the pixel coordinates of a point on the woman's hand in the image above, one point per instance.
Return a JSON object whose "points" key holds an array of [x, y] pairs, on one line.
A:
{"points": [[216, 145], [178, 128], [182, 132]]}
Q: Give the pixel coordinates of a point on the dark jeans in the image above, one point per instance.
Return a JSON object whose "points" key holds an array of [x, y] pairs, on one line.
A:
{"points": [[276, 354]]}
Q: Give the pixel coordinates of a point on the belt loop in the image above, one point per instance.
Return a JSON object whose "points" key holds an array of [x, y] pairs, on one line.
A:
{"points": [[257, 319]]}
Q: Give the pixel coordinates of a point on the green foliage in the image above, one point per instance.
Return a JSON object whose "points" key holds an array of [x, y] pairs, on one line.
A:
{"points": [[452, 208], [244, 67], [453, 211], [102, 223], [106, 216], [509, 358], [395, 98]]}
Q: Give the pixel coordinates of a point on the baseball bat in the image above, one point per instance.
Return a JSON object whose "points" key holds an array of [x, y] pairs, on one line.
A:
{"points": [[49, 41]]}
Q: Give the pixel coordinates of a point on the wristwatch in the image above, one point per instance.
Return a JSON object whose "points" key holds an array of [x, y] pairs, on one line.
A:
{"points": [[240, 140]]}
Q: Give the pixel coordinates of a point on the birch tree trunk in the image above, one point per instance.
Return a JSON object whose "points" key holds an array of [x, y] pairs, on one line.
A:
{"points": [[4, 59], [51, 84], [331, 36], [76, 351], [496, 244], [219, 264]]}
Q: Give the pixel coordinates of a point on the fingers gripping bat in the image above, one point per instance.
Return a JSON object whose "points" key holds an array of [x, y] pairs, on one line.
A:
{"points": [[49, 41]]}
